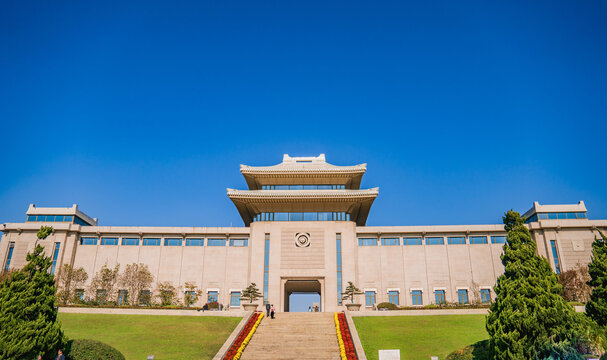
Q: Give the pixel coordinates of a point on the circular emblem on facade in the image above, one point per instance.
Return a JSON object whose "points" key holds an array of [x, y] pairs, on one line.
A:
{"points": [[302, 239]]}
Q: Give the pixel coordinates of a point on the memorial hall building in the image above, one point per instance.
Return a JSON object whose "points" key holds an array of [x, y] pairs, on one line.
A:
{"points": [[305, 232]]}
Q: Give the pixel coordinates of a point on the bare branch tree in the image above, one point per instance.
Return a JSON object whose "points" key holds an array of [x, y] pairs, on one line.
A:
{"points": [[136, 278], [69, 279], [103, 285]]}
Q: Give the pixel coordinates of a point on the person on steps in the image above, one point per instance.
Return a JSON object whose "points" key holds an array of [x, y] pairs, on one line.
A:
{"points": [[268, 306], [272, 311]]}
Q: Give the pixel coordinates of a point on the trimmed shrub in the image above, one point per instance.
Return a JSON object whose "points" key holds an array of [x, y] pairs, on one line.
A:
{"points": [[387, 306], [85, 349], [476, 351]]}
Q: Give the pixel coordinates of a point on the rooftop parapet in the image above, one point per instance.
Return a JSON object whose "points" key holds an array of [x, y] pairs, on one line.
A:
{"points": [[61, 211], [554, 212]]}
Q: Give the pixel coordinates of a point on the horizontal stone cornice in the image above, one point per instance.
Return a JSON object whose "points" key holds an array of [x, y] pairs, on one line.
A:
{"points": [[303, 194]]}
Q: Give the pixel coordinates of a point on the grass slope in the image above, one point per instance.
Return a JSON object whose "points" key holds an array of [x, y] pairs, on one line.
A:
{"points": [[419, 337], [166, 337]]}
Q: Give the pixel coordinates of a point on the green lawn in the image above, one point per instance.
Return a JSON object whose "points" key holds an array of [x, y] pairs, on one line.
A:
{"points": [[419, 337], [165, 337]]}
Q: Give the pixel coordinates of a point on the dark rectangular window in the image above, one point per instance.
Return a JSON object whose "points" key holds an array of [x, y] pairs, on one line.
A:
{"points": [[122, 297], [109, 241], [11, 247], [172, 241], [412, 241], [485, 296], [390, 241], [194, 242], [266, 268], [239, 242], [393, 297], [216, 242], [100, 296], [555, 255], [150, 242], [55, 257], [213, 296], [295, 216], [310, 216], [416, 297], [79, 295], [145, 297], [456, 240], [130, 241], [235, 298], [87, 240], [439, 297], [462, 296], [369, 298], [477, 239], [367, 241], [498, 239], [435, 241]]}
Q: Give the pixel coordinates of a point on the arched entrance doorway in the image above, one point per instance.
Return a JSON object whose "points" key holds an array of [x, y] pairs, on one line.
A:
{"points": [[299, 294]]}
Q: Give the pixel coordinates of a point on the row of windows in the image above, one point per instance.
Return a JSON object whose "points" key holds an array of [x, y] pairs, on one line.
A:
{"points": [[303, 216], [127, 241], [57, 218], [146, 295], [416, 297], [431, 240], [11, 248], [303, 187], [556, 216]]}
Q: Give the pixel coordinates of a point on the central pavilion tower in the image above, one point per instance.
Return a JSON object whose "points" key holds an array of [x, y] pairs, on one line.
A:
{"points": [[303, 189]]}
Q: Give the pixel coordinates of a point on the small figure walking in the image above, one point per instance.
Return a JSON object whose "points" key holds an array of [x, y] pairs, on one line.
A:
{"points": [[272, 311], [60, 355], [268, 306]]}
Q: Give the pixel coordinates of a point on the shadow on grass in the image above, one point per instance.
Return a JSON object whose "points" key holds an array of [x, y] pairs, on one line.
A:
{"points": [[476, 351]]}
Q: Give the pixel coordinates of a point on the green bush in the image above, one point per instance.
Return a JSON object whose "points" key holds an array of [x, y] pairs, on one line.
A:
{"points": [[85, 349], [476, 351], [387, 306], [604, 357]]}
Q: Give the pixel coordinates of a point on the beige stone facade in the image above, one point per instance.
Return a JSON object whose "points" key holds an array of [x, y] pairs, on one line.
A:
{"points": [[298, 215]]}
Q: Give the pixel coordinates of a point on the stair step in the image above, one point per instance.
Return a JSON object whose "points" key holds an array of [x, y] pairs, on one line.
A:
{"points": [[290, 336]]}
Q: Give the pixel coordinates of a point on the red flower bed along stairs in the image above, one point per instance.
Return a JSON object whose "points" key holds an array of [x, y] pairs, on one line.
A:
{"points": [[237, 347], [346, 337]]}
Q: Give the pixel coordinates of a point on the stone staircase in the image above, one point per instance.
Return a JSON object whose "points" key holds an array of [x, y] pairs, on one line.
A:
{"points": [[301, 336]]}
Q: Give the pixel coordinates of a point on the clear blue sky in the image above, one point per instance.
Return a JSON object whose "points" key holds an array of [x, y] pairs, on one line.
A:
{"points": [[141, 112]]}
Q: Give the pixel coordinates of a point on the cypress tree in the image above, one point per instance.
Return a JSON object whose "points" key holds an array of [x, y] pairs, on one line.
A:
{"points": [[529, 315], [27, 310], [596, 308]]}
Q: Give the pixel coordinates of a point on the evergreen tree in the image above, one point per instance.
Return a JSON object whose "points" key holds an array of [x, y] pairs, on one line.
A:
{"points": [[251, 293], [596, 308], [28, 316], [529, 314]]}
